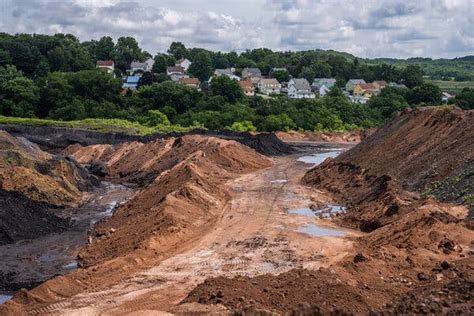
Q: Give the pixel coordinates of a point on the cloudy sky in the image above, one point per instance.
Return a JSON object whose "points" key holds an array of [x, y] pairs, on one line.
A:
{"points": [[369, 28]]}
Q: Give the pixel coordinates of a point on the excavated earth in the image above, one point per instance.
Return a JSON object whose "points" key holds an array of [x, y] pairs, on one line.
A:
{"points": [[214, 227]]}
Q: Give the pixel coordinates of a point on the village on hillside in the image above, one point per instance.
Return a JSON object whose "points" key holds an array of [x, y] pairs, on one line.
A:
{"points": [[254, 83]]}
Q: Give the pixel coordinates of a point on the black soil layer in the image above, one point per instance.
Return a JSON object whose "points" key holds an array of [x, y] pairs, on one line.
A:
{"points": [[55, 139], [21, 218]]}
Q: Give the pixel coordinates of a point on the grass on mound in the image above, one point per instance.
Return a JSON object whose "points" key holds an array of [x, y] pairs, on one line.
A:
{"points": [[101, 125]]}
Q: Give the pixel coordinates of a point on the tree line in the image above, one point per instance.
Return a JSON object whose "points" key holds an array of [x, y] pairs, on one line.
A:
{"points": [[55, 77]]}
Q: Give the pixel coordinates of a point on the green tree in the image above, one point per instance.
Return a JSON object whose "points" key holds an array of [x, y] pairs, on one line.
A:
{"points": [[5, 58], [156, 118], [126, 50], [280, 122], [178, 50], [244, 126], [21, 98], [425, 93], [161, 62], [281, 76], [465, 100], [202, 66], [412, 76], [228, 88], [105, 48]]}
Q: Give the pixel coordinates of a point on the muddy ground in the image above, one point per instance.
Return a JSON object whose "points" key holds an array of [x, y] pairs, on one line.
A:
{"points": [[29, 262]]}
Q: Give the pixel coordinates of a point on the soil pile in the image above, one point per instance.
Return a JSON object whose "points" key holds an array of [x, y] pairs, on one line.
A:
{"points": [[429, 150], [22, 218], [41, 177], [182, 191], [416, 254]]}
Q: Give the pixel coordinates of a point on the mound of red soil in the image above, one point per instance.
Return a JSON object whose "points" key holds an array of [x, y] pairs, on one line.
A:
{"points": [[41, 177], [182, 195], [282, 293]]}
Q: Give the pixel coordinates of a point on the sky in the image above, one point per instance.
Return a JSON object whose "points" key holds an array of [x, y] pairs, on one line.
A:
{"points": [[369, 28]]}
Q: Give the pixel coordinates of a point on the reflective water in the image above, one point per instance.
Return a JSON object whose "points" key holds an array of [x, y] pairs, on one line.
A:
{"points": [[318, 158], [4, 298], [316, 231], [326, 211]]}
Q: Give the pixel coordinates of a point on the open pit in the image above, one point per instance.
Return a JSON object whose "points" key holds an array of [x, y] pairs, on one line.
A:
{"points": [[208, 225]]}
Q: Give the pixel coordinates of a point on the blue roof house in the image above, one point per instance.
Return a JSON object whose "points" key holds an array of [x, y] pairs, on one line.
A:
{"points": [[131, 83]]}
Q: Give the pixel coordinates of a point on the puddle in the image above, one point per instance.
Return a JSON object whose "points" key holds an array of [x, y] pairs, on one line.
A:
{"points": [[305, 211], [71, 266], [4, 298], [326, 212], [110, 209], [279, 181], [318, 158], [316, 231]]}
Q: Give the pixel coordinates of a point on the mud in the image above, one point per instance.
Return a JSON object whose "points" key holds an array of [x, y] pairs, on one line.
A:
{"points": [[44, 253]]}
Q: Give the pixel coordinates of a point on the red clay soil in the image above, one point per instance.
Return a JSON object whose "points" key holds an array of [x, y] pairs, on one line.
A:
{"points": [[41, 177], [184, 200], [416, 254]]}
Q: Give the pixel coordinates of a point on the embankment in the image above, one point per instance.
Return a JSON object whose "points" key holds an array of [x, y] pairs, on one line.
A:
{"points": [[58, 138]]}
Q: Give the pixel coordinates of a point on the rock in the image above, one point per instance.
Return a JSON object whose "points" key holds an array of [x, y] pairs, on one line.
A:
{"points": [[423, 277], [445, 265], [359, 258]]}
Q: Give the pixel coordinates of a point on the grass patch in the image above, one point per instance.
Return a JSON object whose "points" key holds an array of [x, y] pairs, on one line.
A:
{"points": [[453, 87], [101, 125]]}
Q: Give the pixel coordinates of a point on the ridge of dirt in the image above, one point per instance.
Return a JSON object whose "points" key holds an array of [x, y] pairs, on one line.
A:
{"points": [[415, 255], [429, 150], [41, 177], [184, 200]]}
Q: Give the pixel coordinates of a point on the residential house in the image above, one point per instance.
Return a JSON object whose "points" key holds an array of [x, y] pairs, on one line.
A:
{"points": [[191, 82], [247, 87], [445, 97], [268, 86], [359, 99], [350, 85], [106, 65], [300, 89], [184, 62], [175, 73], [380, 84], [226, 72], [137, 66], [322, 85], [131, 83], [365, 89], [254, 74]]}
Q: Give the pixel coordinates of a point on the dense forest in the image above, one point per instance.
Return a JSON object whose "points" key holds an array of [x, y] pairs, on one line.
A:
{"points": [[54, 77]]}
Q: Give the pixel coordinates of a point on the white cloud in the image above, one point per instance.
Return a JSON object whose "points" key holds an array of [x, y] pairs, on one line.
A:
{"points": [[372, 28]]}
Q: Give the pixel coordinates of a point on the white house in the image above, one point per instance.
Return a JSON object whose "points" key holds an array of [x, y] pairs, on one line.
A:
{"points": [[106, 65], [269, 86], [175, 73], [446, 97], [319, 82], [300, 89], [184, 62], [350, 85], [226, 72], [323, 90]]}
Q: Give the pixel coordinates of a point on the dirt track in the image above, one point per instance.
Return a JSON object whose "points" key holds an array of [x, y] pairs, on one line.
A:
{"points": [[254, 235]]}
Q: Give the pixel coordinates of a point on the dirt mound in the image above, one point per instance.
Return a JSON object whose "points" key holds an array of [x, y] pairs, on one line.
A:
{"points": [[21, 218], [283, 293], [333, 137], [184, 197], [40, 176], [142, 162], [426, 149]]}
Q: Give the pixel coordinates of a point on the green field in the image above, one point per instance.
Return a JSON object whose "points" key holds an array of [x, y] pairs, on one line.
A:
{"points": [[453, 87]]}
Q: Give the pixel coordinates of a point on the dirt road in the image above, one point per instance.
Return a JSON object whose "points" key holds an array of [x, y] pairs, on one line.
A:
{"points": [[254, 235]]}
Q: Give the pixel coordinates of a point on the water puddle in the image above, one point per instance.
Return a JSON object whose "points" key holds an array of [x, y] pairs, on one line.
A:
{"points": [[71, 266], [4, 298], [318, 158], [316, 231], [279, 181], [326, 212]]}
